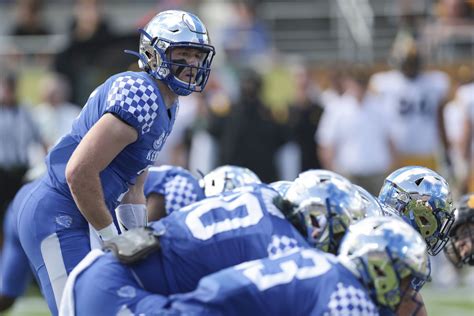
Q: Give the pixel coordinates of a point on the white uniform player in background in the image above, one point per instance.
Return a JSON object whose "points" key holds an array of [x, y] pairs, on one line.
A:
{"points": [[419, 96]]}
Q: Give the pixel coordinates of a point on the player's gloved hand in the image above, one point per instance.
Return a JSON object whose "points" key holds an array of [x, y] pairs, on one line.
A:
{"points": [[108, 232], [131, 216]]}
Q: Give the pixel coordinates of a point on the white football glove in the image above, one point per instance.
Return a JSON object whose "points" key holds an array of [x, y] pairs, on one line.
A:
{"points": [[131, 216]]}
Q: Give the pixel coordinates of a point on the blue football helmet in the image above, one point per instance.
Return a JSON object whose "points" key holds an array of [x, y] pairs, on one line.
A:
{"points": [[386, 254], [281, 186], [372, 205], [226, 178], [422, 198], [167, 31], [322, 206]]}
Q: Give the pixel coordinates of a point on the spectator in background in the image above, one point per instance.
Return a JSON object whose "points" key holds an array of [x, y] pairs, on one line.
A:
{"points": [[357, 141], [335, 89], [17, 133], [246, 37], [29, 20], [54, 117], [89, 35], [449, 36], [55, 114], [304, 116], [215, 103], [456, 112], [248, 136], [175, 151]]}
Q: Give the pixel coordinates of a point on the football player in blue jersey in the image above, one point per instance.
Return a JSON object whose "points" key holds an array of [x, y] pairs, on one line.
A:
{"points": [[102, 162], [217, 232], [15, 273], [172, 187], [460, 247], [226, 178], [167, 189], [202, 238], [378, 258]]}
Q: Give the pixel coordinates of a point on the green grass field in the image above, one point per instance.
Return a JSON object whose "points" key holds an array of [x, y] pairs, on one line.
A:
{"points": [[452, 302]]}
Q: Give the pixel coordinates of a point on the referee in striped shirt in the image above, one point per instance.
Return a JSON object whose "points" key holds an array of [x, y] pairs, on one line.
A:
{"points": [[17, 133]]}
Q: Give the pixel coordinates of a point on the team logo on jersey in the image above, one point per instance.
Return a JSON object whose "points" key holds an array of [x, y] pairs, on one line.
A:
{"points": [[153, 154], [159, 141]]}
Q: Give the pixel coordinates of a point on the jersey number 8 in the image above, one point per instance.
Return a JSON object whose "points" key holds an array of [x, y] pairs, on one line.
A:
{"points": [[244, 211]]}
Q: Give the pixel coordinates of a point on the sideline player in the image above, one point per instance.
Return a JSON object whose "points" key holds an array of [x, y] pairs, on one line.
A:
{"points": [[103, 160]]}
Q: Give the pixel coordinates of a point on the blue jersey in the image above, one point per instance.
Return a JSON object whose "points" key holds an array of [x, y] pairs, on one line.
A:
{"points": [[303, 282], [15, 269], [134, 98], [209, 235], [178, 186]]}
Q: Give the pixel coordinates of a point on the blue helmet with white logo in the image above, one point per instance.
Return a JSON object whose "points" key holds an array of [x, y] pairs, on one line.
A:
{"points": [[167, 31]]}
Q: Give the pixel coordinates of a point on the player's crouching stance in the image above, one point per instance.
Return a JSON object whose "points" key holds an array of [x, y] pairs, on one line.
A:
{"points": [[218, 232], [379, 256]]}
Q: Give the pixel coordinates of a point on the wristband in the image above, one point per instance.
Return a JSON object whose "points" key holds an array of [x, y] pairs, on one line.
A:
{"points": [[108, 232]]}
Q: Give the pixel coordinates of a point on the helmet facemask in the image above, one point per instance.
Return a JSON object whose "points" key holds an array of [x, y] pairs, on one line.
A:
{"points": [[391, 281], [325, 224], [158, 60], [323, 208]]}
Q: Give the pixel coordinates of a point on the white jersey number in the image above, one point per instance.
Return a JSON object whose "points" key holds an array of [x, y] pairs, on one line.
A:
{"points": [[244, 203], [289, 271]]}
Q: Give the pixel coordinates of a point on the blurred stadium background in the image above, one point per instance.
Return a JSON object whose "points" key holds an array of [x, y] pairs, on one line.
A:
{"points": [[63, 49]]}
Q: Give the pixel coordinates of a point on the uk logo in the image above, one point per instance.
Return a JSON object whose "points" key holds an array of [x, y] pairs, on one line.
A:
{"points": [[159, 141]]}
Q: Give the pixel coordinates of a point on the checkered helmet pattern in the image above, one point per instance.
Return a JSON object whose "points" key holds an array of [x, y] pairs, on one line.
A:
{"points": [[350, 301], [137, 97], [179, 192], [280, 245]]}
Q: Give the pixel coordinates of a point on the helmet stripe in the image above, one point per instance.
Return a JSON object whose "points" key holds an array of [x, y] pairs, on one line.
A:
{"points": [[199, 29]]}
